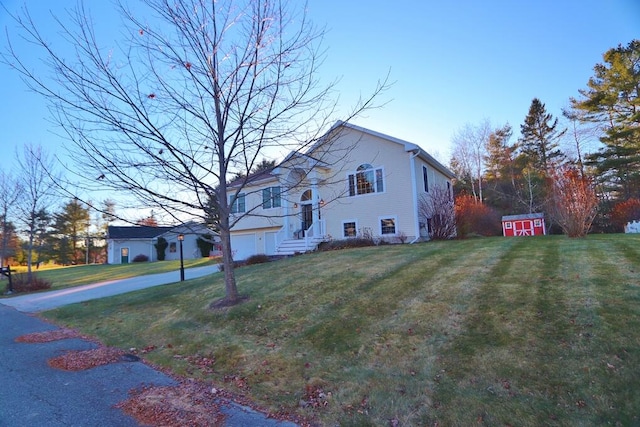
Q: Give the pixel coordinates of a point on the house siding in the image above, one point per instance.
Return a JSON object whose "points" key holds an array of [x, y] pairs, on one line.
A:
{"points": [[123, 238], [326, 173]]}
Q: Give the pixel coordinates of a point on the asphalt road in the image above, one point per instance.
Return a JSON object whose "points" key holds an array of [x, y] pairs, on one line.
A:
{"points": [[34, 394]]}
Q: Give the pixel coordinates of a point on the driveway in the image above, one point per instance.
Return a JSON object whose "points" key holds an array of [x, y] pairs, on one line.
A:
{"points": [[34, 394], [42, 301]]}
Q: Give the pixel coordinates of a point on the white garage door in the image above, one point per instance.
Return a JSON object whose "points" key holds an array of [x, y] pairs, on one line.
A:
{"points": [[243, 246]]}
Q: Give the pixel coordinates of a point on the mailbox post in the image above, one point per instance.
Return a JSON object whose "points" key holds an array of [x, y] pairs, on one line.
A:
{"points": [[6, 271]]}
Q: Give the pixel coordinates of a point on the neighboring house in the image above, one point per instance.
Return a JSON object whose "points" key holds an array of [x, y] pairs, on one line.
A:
{"points": [[524, 225], [353, 182], [125, 243]]}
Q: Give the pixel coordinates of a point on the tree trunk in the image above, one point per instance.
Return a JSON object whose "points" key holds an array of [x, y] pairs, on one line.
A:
{"points": [[231, 289]]}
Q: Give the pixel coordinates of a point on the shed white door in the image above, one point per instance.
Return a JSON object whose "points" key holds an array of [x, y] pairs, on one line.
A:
{"points": [[523, 228], [243, 246]]}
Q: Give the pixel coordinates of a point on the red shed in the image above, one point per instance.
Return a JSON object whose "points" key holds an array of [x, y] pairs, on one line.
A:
{"points": [[523, 225]]}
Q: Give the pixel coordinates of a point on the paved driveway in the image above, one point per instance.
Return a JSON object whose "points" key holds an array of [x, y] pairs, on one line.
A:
{"points": [[34, 394], [42, 301]]}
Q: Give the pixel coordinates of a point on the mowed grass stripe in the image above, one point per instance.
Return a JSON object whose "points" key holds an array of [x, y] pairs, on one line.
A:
{"points": [[531, 331], [615, 339], [520, 361]]}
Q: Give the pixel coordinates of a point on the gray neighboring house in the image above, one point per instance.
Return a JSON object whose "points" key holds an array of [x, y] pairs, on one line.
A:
{"points": [[124, 243]]}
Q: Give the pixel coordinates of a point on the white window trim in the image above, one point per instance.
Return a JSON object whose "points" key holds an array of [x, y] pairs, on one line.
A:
{"points": [[425, 188], [271, 197], [355, 221], [237, 200], [374, 169], [508, 225], [395, 221]]}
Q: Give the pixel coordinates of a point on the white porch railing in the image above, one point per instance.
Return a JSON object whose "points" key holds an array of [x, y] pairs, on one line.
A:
{"points": [[316, 231], [280, 236]]}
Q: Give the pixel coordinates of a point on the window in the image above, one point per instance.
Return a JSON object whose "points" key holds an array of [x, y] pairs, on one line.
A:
{"points": [[237, 203], [508, 225], [387, 226], [367, 179], [349, 229], [537, 223], [172, 247], [271, 198], [425, 178]]}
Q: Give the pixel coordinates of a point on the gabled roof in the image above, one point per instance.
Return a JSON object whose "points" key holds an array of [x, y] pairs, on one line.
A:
{"points": [[252, 178], [408, 146], [522, 216], [135, 232]]}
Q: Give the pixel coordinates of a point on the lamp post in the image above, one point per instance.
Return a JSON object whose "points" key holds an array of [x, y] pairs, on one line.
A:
{"points": [[181, 238]]}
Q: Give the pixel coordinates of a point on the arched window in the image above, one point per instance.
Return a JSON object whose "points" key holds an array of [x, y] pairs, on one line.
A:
{"points": [[365, 180], [306, 196]]}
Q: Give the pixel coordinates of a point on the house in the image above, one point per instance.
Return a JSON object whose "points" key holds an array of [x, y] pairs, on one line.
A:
{"points": [[523, 225], [125, 243], [353, 182]]}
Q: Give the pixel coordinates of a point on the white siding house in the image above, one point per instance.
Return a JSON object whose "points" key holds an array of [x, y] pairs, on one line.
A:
{"points": [[353, 182], [125, 243]]}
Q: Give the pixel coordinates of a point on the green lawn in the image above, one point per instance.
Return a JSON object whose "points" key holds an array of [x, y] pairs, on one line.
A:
{"points": [[498, 331], [65, 277]]}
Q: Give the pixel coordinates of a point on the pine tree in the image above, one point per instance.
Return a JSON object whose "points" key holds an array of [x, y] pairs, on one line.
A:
{"points": [[540, 137], [612, 101], [70, 225], [501, 171]]}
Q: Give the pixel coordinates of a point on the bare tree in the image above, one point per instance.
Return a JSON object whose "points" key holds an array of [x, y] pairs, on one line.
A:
{"points": [[10, 190], [437, 211], [196, 94], [37, 185], [469, 152], [580, 136]]}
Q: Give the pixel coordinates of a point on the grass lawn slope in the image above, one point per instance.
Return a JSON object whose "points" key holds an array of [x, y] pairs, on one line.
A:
{"points": [[500, 331]]}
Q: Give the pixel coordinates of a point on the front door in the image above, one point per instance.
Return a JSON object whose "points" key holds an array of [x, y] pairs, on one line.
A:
{"points": [[124, 255], [306, 216]]}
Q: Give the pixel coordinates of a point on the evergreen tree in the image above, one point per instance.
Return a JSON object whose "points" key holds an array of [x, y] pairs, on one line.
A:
{"points": [[612, 101], [502, 171], [540, 137], [70, 226]]}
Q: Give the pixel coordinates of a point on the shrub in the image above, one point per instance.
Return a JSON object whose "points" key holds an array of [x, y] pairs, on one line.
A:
{"points": [[21, 283], [161, 248], [438, 211], [257, 259], [475, 218], [141, 258], [574, 202], [355, 242], [205, 244], [625, 212]]}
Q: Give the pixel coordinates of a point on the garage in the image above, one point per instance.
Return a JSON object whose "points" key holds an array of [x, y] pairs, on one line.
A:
{"points": [[243, 246]]}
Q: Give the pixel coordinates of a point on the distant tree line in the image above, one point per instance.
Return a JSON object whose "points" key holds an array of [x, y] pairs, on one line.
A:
{"points": [[594, 149]]}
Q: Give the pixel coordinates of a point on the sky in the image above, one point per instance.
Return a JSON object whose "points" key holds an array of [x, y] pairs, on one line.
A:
{"points": [[453, 63]]}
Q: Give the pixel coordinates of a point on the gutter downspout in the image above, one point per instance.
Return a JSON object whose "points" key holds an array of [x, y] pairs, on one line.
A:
{"points": [[416, 222]]}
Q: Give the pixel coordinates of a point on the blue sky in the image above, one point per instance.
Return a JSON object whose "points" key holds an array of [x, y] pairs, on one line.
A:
{"points": [[453, 62]]}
